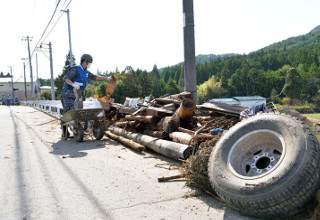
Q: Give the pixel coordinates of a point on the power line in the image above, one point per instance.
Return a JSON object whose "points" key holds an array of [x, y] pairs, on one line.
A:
{"points": [[54, 12], [52, 28], [64, 3], [54, 24], [58, 19]]}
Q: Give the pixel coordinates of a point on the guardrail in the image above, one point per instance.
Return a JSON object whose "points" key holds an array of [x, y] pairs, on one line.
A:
{"points": [[55, 106]]}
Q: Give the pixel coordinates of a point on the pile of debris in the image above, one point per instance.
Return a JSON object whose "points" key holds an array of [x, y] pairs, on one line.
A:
{"points": [[171, 125]]}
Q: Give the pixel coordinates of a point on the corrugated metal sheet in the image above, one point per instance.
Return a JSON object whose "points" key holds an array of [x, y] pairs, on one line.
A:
{"points": [[247, 98]]}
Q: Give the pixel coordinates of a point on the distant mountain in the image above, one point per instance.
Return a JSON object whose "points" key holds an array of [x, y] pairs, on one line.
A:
{"points": [[202, 58], [311, 38]]}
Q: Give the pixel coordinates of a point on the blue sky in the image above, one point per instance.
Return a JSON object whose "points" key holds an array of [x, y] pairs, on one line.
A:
{"points": [[142, 33]]}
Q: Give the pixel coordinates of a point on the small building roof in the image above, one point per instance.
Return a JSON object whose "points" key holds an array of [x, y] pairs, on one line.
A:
{"points": [[248, 98], [222, 100]]}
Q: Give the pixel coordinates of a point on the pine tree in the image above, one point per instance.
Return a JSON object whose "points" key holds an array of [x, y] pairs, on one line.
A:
{"points": [[171, 87], [59, 83], [156, 71], [145, 83]]}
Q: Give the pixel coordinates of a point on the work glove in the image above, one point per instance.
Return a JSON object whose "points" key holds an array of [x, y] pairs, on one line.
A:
{"points": [[77, 87], [109, 78]]}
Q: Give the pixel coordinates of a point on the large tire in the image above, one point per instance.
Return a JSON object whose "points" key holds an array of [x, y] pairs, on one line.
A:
{"points": [[266, 166], [98, 131]]}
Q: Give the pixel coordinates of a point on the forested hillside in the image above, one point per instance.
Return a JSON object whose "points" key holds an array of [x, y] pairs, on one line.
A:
{"points": [[263, 72]]}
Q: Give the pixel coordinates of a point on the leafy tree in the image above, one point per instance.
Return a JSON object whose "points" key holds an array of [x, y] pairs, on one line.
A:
{"points": [[209, 90], [44, 82]]}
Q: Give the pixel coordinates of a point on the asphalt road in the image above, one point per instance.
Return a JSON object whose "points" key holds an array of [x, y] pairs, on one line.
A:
{"points": [[44, 177]]}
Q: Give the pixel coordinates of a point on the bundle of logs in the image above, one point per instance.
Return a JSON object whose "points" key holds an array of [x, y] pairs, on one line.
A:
{"points": [[172, 125]]}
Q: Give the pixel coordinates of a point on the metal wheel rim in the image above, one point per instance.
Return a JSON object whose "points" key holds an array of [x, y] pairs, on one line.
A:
{"points": [[256, 154]]}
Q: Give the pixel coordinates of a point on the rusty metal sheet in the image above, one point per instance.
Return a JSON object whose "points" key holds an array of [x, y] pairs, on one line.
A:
{"points": [[222, 108]]}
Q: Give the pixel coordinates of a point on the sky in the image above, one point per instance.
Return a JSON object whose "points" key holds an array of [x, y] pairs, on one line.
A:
{"points": [[141, 33]]}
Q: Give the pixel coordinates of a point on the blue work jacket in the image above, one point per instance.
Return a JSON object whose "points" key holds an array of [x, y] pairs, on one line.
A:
{"points": [[80, 75]]}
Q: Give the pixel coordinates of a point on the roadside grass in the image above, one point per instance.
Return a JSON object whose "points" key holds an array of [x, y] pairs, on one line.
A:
{"points": [[314, 115]]}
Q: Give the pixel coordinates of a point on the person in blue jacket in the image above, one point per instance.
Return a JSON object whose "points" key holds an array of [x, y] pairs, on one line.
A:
{"points": [[77, 78]]}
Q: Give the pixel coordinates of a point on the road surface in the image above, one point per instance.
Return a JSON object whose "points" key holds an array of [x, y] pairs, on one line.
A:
{"points": [[44, 177]]}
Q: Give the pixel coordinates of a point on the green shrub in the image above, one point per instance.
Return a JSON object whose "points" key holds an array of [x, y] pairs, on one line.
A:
{"points": [[286, 101], [46, 95]]}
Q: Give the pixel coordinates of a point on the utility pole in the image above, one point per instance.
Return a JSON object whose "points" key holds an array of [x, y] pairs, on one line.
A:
{"points": [[51, 71], [25, 82], [37, 83], [69, 30], [190, 75], [12, 82], [30, 64]]}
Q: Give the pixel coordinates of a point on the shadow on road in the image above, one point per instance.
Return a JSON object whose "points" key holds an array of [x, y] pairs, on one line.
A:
{"points": [[74, 149], [23, 200]]}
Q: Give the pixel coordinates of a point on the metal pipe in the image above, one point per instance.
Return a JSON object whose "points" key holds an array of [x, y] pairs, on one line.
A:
{"points": [[167, 148]]}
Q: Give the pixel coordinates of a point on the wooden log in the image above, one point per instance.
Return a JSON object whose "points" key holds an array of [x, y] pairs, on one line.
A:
{"points": [[202, 118], [181, 96], [153, 103], [139, 110], [186, 110], [123, 124], [167, 148], [125, 110], [164, 179], [206, 136], [183, 114], [181, 137], [156, 134], [125, 141], [170, 106], [186, 131], [140, 118], [158, 112], [192, 133], [168, 101], [171, 124]]}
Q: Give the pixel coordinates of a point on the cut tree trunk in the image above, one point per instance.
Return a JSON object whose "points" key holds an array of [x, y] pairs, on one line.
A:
{"points": [[182, 115]]}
